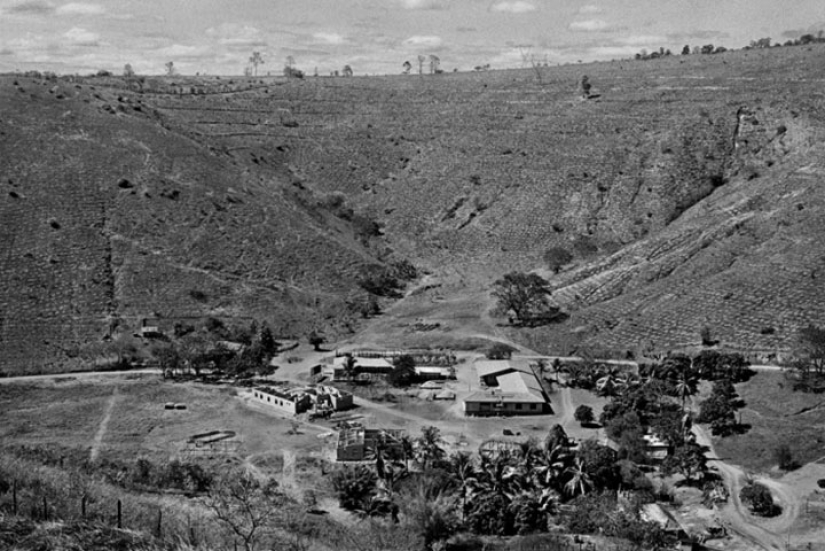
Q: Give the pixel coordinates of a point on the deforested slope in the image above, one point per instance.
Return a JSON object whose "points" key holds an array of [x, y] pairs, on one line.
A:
{"points": [[687, 188], [108, 218]]}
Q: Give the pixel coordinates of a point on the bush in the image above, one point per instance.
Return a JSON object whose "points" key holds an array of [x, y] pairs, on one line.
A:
{"points": [[584, 415], [500, 351], [556, 258], [784, 458], [759, 500]]}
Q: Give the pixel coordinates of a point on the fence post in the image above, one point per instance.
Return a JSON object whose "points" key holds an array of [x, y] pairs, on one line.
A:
{"points": [[160, 527], [119, 516], [14, 497], [45, 509], [83, 507]]}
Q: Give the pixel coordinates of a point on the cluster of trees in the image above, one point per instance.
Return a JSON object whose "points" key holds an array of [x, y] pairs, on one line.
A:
{"points": [[807, 372], [143, 474], [759, 500], [194, 350], [433, 62], [531, 489], [387, 281], [524, 298]]}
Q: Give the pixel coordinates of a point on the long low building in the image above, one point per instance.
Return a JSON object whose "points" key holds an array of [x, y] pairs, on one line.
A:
{"points": [[513, 389], [294, 401]]}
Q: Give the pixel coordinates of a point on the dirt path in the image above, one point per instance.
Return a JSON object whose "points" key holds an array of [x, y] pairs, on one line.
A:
{"points": [[765, 533], [94, 452]]}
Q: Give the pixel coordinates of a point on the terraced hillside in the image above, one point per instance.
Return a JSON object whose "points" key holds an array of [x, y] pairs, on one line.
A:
{"points": [[688, 188], [108, 218]]}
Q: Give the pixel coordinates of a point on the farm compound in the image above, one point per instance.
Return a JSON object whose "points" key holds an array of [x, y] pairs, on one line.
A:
{"points": [[513, 389], [294, 401], [354, 443]]}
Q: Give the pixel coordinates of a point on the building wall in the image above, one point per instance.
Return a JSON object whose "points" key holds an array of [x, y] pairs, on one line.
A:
{"points": [[509, 408], [281, 404]]}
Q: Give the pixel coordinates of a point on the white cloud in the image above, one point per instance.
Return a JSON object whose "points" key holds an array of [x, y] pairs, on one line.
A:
{"points": [[423, 4], [80, 8], [82, 37], [643, 40], [232, 35], [423, 41], [589, 9], [591, 25], [519, 6], [329, 38]]}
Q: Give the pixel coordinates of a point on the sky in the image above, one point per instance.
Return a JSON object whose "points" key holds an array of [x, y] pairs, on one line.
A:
{"points": [[217, 37]]}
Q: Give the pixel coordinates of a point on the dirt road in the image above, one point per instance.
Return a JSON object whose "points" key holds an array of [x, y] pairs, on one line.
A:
{"points": [[764, 533]]}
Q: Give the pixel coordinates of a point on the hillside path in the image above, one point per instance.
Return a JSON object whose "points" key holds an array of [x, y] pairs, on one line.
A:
{"points": [[94, 452]]}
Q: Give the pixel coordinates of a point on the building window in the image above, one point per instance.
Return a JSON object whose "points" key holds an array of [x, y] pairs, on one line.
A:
{"points": [[518, 406], [532, 406]]}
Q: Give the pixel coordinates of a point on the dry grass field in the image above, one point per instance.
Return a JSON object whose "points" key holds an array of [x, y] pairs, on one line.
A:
{"points": [[777, 416]]}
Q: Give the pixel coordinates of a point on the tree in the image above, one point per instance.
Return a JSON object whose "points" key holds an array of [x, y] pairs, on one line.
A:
{"points": [[719, 409], [689, 459], [809, 369], [256, 60], [354, 485], [434, 64], [267, 342], [784, 457], [316, 340], [686, 50], [463, 473], [557, 257], [758, 498], [525, 295], [579, 481], [247, 507], [407, 66], [170, 68], [428, 446], [128, 72], [585, 86], [290, 61], [403, 373], [350, 367], [421, 60], [499, 351], [347, 71], [584, 415]]}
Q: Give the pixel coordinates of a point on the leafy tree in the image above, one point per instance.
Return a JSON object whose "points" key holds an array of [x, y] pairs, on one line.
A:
{"points": [[245, 506], [347, 71], [600, 464], [269, 346], [686, 50], [403, 373], [380, 281], [354, 485], [170, 68], [462, 471], [584, 415], [719, 409], [407, 66], [128, 72], [759, 500], [500, 351], [350, 367], [316, 340], [525, 295], [784, 457], [809, 370], [432, 515], [689, 459], [256, 60], [556, 258], [585, 86]]}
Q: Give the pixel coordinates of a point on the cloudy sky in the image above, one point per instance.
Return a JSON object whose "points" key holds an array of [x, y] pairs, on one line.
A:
{"points": [[374, 36]]}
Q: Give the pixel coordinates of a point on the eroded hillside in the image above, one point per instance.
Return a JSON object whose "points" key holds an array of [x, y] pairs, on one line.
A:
{"points": [[688, 189]]}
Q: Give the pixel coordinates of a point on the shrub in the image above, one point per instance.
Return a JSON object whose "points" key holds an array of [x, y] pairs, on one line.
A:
{"points": [[557, 257], [759, 500], [784, 458], [500, 351], [584, 415]]}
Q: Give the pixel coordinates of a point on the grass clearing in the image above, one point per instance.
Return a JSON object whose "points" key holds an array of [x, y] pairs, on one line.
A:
{"points": [[776, 415]]}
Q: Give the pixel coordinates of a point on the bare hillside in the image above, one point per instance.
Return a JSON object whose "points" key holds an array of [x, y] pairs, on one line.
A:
{"points": [[687, 188]]}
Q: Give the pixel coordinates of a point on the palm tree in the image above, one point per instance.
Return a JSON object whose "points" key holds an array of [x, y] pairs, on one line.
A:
{"points": [[608, 383], [579, 481], [407, 449], [428, 446], [551, 465], [463, 472], [350, 366]]}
